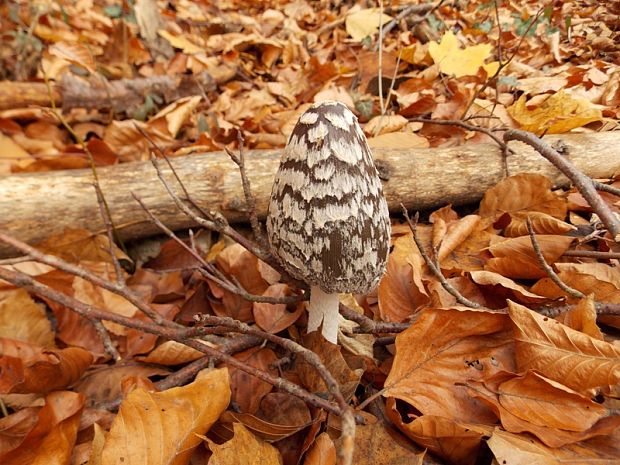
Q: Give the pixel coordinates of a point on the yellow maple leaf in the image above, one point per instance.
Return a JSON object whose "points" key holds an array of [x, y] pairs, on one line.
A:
{"points": [[461, 61], [363, 23], [559, 113]]}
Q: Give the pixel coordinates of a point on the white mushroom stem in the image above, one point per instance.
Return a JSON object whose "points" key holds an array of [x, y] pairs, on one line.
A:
{"points": [[323, 308]]}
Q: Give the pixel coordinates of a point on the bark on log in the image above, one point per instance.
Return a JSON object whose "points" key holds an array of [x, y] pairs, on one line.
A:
{"points": [[121, 95], [36, 206]]}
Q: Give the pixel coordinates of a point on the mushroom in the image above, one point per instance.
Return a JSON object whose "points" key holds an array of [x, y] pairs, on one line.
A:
{"points": [[328, 221]]}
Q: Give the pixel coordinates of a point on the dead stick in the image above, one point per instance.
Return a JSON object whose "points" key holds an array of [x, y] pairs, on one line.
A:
{"points": [[583, 184]]}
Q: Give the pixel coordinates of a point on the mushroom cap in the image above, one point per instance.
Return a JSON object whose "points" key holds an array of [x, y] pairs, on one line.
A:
{"points": [[328, 221]]}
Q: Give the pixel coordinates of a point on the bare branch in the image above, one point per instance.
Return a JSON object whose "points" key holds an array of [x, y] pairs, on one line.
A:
{"points": [[434, 267], [583, 184], [545, 266]]}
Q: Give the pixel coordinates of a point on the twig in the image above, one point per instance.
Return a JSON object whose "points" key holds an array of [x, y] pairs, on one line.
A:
{"points": [[80, 272], [108, 345], [220, 224], [412, 10], [583, 184], [109, 227], [162, 154], [91, 159], [368, 326], [592, 254], [380, 66], [601, 309], [250, 201], [188, 372], [25, 281], [348, 419], [211, 272], [502, 65], [599, 186], [545, 266], [470, 127], [434, 267]]}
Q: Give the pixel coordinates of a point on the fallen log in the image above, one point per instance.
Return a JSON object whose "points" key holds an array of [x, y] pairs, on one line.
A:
{"points": [[121, 95], [34, 206]]}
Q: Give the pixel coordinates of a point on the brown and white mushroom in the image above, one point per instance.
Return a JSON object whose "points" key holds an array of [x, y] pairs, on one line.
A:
{"points": [[328, 222]]}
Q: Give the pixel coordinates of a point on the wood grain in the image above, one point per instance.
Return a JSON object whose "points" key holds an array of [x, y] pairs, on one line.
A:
{"points": [[36, 206]]}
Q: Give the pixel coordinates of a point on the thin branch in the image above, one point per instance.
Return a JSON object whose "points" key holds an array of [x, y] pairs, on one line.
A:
{"points": [[504, 64], [27, 282], [545, 266], [368, 326], [599, 186], [583, 184], [380, 66], [433, 266], [470, 127], [108, 345], [210, 272], [414, 9], [250, 200], [346, 413], [189, 371], [60, 264], [592, 254]]}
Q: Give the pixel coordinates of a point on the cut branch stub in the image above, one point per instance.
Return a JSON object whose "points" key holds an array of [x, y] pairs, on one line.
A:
{"points": [[328, 221]]}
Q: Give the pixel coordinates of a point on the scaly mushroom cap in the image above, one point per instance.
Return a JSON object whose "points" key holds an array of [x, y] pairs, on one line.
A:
{"points": [[328, 221]]}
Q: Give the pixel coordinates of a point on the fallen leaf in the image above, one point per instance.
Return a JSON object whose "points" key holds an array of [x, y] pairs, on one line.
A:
{"points": [[441, 348], [562, 354], [558, 114], [172, 419], [364, 23], [244, 447], [454, 60]]}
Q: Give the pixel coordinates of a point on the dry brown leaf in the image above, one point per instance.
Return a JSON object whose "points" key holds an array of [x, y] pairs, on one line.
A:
{"points": [[323, 451], [27, 368], [244, 447], [172, 353], [561, 353], [401, 291], [374, 444], [274, 318], [247, 391], [515, 258], [542, 223], [518, 449], [384, 124], [24, 320], [77, 245], [522, 192], [75, 53], [552, 437], [172, 419], [558, 114], [348, 377], [456, 442], [102, 383], [582, 318], [545, 402], [488, 278], [444, 347], [52, 438]]}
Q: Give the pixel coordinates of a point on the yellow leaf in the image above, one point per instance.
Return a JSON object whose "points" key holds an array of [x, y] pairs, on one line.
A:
{"points": [[180, 42], [162, 427], [244, 447], [461, 62], [559, 113], [365, 23]]}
